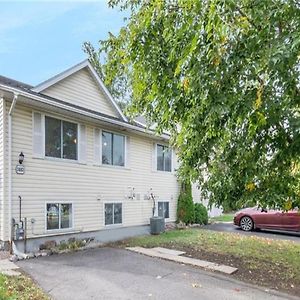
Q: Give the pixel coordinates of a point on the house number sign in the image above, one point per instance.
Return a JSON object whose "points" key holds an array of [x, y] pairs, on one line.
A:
{"points": [[20, 169]]}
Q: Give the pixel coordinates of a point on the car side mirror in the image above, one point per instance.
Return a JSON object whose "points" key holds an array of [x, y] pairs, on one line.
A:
{"points": [[264, 210]]}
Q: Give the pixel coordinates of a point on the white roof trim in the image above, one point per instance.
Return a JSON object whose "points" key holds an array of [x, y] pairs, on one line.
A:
{"points": [[85, 64], [144, 125]]}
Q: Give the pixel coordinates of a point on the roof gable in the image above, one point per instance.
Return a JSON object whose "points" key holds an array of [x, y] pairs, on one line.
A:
{"points": [[81, 85]]}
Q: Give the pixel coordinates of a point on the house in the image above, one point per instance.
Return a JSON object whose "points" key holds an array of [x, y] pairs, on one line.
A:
{"points": [[71, 164]]}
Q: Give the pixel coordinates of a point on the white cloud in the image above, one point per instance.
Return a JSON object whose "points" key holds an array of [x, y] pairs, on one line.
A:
{"points": [[27, 14], [33, 12]]}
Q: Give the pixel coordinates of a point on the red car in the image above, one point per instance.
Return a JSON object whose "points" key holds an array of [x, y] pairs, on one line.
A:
{"points": [[256, 218]]}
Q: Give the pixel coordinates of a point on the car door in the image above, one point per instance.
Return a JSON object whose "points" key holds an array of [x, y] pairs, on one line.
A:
{"points": [[291, 220], [268, 219]]}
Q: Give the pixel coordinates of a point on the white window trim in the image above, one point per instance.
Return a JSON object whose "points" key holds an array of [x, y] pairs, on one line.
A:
{"points": [[96, 158], [100, 149], [156, 149], [114, 167], [125, 150], [79, 159], [43, 132], [59, 229], [113, 225]]}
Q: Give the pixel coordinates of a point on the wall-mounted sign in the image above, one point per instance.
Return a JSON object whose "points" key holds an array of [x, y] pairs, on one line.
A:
{"points": [[20, 169]]}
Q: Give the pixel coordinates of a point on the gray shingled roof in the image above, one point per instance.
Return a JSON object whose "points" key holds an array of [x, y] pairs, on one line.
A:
{"points": [[14, 83]]}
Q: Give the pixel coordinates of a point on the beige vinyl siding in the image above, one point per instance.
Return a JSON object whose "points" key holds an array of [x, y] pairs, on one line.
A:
{"points": [[2, 108], [49, 180], [81, 89]]}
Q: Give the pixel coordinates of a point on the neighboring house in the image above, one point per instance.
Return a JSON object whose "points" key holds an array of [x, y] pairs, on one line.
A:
{"points": [[213, 211], [86, 168]]}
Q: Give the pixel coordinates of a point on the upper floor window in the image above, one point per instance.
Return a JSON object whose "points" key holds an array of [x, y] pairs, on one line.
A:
{"points": [[60, 139], [164, 158], [113, 149]]}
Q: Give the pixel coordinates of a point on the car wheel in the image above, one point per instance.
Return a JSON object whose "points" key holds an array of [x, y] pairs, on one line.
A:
{"points": [[246, 223]]}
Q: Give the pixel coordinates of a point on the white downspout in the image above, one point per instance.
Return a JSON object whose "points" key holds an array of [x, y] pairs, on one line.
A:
{"points": [[11, 110]]}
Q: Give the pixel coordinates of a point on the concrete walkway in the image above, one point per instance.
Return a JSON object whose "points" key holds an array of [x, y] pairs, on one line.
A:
{"points": [[174, 255], [109, 273], [8, 268]]}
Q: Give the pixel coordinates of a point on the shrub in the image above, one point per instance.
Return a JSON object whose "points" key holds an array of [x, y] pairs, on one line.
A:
{"points": [[201, 215], [185, 207], [71, 245]]}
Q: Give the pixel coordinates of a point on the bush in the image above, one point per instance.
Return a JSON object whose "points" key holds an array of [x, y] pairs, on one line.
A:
{"points": [[201, 215], [71, 245], [185, 207]]}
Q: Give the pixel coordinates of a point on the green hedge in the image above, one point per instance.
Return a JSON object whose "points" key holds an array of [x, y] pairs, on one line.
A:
{"points": [[187, 211], [201, 215], [185, 207]]}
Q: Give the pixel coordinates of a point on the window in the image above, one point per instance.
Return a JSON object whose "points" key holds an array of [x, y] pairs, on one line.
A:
{"points": [[163, 209], [164, 158], [60, 139], [113, 149], [59, 216], [113, 213]]}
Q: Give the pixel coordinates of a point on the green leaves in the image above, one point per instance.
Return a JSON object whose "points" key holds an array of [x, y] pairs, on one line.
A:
{"points": [[223, 78]]}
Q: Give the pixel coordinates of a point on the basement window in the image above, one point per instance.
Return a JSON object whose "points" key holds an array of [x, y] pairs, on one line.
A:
{"points": [[113, 213], [59, 216], [163, 209]]}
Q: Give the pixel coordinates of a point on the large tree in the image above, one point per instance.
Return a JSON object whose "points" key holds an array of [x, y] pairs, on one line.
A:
{"points": [[223, 77]]}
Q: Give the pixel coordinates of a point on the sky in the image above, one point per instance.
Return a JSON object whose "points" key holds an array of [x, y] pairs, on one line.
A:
{"points": [[39, 39]]}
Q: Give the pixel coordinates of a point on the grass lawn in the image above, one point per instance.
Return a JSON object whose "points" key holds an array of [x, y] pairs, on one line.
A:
{"points": [[20, 288], [266, 262], [223, 218]]}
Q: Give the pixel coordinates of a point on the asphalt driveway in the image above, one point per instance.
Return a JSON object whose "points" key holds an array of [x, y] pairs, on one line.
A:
{"points": [[107, 273], [276, 235]]}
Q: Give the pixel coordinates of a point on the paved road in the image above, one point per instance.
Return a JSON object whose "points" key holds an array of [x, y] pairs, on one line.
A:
{"points": [[276, 235], [108, 273]]}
